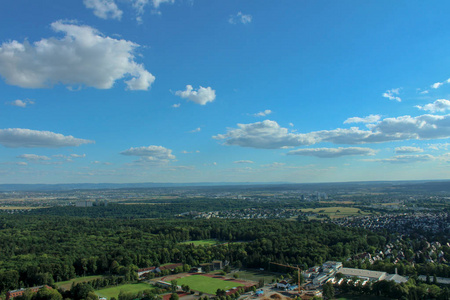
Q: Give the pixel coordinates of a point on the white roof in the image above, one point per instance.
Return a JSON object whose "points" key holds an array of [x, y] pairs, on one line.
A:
{"points": [[350, 272]]}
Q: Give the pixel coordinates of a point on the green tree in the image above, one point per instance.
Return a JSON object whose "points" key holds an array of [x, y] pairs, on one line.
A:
{"points": [[174, 296], [173, 286], [328, 290], [48, 294]]}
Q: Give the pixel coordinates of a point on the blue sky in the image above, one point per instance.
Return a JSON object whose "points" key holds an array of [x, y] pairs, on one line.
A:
{"points": [[223, 91]]}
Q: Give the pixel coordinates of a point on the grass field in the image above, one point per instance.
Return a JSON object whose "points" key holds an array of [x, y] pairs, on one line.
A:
{"points": [[206, 284], [114, 291], [336, 211], [255, 276], [67, 284], [201, 242]]}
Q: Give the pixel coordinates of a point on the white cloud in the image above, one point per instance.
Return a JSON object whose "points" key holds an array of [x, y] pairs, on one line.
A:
{"points": [[105, 9], [151, 154], [439, 146], [198, 129], [20, 103], [18, 137], [408, 149], [405, 159], [33, 157], [83, 56], [440, 105], [78, 155], [391, 94], [188, 152], [269, 135], [266, 134], [176, 105], [96, 162], [424, 92], [369, 119], [291, 124], [437, 85], [200, 96], [274, 165], [243, 162], [240, 18], [263, 113], [333, 152]]}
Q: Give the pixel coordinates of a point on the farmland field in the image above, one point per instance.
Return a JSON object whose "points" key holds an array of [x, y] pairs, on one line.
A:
{"points": [[206, 284], [336, 211], [114, 291]]}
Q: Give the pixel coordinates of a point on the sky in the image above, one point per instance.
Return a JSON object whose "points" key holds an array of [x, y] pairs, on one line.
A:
{"points": [[126, 91]]}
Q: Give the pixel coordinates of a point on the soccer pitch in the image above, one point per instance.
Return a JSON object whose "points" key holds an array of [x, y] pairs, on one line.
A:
{"points": [[206, 284]]}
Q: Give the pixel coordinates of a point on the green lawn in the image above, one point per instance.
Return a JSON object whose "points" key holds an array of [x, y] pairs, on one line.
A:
{"points": [[201, 242], [67, 284], [114, 291], [207, 284]]}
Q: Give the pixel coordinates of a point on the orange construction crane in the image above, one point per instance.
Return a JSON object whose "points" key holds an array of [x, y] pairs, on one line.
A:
{"points": [[292, 267]]}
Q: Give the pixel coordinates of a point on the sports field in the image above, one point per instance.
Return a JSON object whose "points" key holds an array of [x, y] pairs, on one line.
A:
{"points": [[206, 284], [114, 291]]}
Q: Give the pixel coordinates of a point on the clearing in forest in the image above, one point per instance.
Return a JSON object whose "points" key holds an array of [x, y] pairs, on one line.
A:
{"points": [[209, 242], [66, 285]]}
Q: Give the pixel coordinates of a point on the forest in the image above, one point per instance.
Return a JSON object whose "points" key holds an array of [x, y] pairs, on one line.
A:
{"points": [[40, 250]]}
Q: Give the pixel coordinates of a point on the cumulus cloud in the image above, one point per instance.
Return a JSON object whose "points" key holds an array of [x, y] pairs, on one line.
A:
{"points": [[369, 119], [263, 113], [20, 103], [108, 9], [176, 105], [200, 96], [408, 149], [83, 56], [240, 18], [266, 134], [78, 155], [405, 159], [440, 105], [269, 135], [198, 129], [151, 154], [33, 157], [243, 162], [393, 94], [105, 9], [333, 152], [18, 137]]}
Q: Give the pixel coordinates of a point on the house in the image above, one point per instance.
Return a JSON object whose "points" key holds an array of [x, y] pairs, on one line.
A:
{"points": [[19, 292]]}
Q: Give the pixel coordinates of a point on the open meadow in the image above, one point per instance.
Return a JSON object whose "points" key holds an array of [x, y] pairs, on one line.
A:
{"points": [[65, 285]]}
